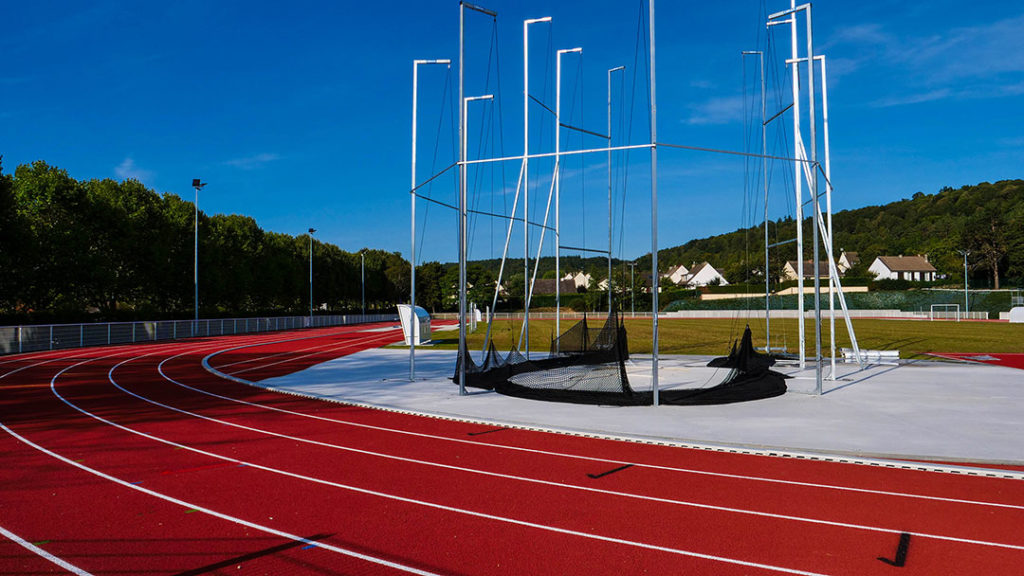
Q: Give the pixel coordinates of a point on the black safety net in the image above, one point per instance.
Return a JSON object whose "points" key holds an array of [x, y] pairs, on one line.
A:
{"points": [[587, 366]]}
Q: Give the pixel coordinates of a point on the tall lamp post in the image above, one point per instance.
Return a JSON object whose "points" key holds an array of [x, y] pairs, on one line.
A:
{"points": [[197, 185], [362, 276], [967, 306], [311, 232]]}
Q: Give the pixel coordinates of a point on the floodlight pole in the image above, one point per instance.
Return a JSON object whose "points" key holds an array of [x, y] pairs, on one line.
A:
{"points": [[967, 306], [412, 227], [654, 217], [558, 181], [526, 178], [362, 279], [197, 185], [311, 232], [764, 172], [616, 69]]}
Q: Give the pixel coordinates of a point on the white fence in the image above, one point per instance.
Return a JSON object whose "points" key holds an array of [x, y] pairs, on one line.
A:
{"points": [[34, 338]]}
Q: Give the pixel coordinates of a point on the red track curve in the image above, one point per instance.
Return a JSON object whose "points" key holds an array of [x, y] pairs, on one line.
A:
{"points": [[133, 460]]}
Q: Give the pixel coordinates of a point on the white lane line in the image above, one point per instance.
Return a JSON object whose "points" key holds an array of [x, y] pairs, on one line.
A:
{"points": [[110, 376], [384, 495], [348, 344], [42, 553], [337, 333], [198, 508], [183, 503], [555, 454]]}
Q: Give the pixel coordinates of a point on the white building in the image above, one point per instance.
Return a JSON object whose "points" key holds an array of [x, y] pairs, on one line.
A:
{"points": [[581, 279], [914, 268], [677, 274], [789, 271], [847, 260], [704, 274]]}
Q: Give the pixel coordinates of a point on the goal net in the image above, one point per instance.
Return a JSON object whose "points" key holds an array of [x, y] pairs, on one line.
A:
{"points": [[945, 312]]}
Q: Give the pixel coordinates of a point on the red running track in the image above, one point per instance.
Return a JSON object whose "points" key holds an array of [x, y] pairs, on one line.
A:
{"points": [[1008, 360], [133, 460]]}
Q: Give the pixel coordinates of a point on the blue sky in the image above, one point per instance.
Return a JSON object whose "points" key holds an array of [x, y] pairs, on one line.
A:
{"points": [[298, 114]]}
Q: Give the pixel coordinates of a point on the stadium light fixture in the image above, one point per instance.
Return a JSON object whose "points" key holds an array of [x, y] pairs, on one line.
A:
{"points": [[311, 232], [967, 307], [195, 277]]}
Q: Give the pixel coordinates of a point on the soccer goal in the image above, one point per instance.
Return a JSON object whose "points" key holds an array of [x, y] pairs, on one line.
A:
{"points": [[945, 312]]}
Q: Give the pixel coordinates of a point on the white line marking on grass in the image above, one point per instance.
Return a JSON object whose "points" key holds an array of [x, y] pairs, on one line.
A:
{"points": [[42, 553]]}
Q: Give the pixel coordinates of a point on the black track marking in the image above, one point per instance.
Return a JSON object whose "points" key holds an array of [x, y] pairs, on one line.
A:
{"points": [[612, 471], [901, 552]]}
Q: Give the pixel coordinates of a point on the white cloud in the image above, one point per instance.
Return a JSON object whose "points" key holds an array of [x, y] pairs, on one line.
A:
{"points": [[718, 110], [253, 162], [127, 170], [905, 99]]}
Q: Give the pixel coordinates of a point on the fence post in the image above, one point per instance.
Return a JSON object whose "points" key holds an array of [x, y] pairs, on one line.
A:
{"points": [[51, 336], [81, 335], [133, 332], [19, 339]]}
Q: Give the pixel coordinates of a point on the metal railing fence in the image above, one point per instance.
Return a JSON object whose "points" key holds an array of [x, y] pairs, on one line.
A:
{"points": [[40, 337]]}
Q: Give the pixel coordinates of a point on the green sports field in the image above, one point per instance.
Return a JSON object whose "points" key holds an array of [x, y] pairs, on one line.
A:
{"points": [[913, 338]]}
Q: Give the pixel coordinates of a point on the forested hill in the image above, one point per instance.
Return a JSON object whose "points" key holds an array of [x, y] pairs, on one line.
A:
{"points": [[987, 219]]}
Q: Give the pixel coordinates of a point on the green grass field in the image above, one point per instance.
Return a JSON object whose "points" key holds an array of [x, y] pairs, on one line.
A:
{"points": [[913, 338]]}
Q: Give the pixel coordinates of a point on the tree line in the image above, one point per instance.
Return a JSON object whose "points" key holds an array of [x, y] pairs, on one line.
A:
{"points": [[106, 250]]}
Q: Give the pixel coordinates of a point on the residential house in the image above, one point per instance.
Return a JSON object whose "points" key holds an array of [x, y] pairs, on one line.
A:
{"points": [[789, 271], [846, 261], [704, 274], [580, 279], [913, 268], [677, 274]]}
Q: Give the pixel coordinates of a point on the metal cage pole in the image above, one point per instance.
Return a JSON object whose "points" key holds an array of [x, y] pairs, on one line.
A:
{"points": [[462, 185], [828, 215], [764, 172], [525, 339], [610, 71], [558, 182], [412, 227], [654, 217], [814, 199]]}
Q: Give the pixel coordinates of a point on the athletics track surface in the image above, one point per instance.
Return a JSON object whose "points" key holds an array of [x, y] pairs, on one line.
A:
{"points": [[137, 460]]}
